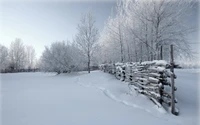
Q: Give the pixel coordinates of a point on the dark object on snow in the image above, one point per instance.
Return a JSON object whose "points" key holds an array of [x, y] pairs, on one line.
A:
{"points": [[176, 66]]}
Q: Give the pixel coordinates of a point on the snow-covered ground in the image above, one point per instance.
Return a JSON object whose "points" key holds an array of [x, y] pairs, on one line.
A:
{"points": [[90, 99]]}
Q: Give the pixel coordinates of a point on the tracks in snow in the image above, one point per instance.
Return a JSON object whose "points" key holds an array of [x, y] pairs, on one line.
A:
{"points": [[110, 95]]}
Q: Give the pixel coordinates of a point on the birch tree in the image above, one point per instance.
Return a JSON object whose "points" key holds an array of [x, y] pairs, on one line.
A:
{"points": [[142, 27], [30, 56], [159, 23], [87, 37], [17, 54], [4, 59]]}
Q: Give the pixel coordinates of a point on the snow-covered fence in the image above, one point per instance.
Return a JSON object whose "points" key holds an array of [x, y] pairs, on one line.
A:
{"points": [[151, 78]]}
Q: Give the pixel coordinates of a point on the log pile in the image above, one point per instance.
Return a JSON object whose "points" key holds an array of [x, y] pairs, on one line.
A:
{"points": [[151, 78]]}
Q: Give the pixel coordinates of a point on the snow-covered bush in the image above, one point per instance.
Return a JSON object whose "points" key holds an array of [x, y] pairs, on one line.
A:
{"points": [[61, 57]]}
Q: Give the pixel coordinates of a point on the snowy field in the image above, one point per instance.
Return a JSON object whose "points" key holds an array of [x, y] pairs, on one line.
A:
{"points": [[90, 99]]}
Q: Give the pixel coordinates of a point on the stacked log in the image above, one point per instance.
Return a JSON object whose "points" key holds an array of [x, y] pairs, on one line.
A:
{"points": [[150, 78]]}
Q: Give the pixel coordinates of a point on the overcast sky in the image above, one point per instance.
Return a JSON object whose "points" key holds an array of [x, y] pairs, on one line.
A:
{"points": [[41, 23]]}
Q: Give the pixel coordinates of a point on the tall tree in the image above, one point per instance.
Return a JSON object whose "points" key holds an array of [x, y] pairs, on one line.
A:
{"points": [[159, 23], [30, 56], [87, 37], [3, 57], [141, 27], [17, 54]]}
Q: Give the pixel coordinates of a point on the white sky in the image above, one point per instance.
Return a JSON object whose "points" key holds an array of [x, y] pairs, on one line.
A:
{"points": [[41, 22]]}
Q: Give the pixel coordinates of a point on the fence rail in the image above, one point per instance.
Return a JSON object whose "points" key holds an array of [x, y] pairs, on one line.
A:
{"points": [[151, 78]]}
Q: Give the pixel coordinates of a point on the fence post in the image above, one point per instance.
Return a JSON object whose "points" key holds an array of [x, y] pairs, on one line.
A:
{"points": [[173, 111]]}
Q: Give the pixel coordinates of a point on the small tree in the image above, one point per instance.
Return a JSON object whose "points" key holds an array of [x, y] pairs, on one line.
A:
{"points": [[60, 57], [87, 36]]}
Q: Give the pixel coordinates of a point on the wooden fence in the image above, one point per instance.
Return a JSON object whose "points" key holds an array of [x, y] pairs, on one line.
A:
{"points": [[151, 78]]}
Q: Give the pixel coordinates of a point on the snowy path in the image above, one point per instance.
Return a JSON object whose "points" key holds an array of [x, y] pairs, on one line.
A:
{"points": [[81, 99]]}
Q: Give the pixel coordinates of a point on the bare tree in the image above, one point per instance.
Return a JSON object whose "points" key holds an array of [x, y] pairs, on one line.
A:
{"points": [[159, 23], [3, 57], [141, 28], [17, 54], [30, 56], [87, 36]]}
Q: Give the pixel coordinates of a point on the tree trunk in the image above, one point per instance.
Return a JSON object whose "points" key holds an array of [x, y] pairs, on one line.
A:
{"points": [[146, 42], [161, 53], [136, 55], [152, 50], [122, 60], [172, 80], [157, 52], [141, 53], [88, 64], [128, 50]]}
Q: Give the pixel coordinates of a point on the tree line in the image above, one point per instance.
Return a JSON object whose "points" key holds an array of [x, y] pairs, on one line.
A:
{"points": [[18, 57], [66, 56], [140, 30], [60, 56], [143, 30]]}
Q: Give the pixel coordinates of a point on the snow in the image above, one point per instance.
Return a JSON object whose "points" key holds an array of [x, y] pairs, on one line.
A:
{"points": [[160, 62], [158, 69], [156, 62], [97, 98]]}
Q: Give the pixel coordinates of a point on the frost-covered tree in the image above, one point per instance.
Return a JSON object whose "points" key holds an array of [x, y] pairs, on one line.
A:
{"points": [[30, 56], [140, 28], [113, 37], [160, 23], [60, 57], [17, 54], [4, 59], [87, 37]]}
